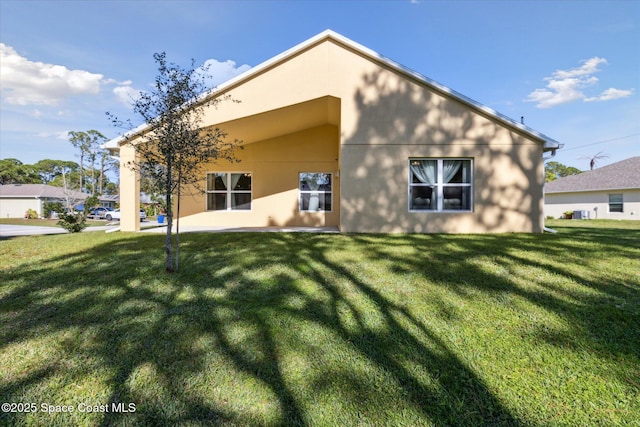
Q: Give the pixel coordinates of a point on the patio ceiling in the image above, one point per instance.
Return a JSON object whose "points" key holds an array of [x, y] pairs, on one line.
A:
{"points": [[283, 121]]}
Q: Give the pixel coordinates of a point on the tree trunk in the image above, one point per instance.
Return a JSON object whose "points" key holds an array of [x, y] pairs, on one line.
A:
{"points": [[100, 182], [178, 220], [93, 178], [81, 168], [168, 242]]}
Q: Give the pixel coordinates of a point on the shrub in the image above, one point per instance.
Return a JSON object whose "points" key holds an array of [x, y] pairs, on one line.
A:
{"points": [[90, 203], [73, 222], [49, 207], [31, 214]]}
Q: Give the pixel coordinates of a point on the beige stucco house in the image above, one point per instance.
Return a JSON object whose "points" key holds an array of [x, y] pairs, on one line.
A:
{"points": [[337, 135], [609, 192]]}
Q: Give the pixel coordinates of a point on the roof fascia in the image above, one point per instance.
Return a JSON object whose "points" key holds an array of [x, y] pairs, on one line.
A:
{"points": [[549, 143]]}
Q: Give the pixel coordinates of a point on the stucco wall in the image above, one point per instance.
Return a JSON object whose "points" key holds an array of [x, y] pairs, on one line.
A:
{"points": [[17, 207], [375, 199], [129, 190], [274, 164], [387, 119], [379, 118], [556, 204]]}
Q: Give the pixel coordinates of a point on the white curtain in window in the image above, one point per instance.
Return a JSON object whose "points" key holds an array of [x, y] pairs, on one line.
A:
{"points": [[313, 181], [450, 169], [425, 170], [235, 177]]}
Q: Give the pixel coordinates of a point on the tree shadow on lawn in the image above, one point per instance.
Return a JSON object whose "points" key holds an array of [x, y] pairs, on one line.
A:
{"points": [[276, 329], [602, 310]]}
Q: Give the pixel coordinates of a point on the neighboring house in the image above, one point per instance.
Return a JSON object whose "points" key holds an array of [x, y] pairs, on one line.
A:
{"points": [[17, 199], [609, 192], [335, 134], [109, 200]]}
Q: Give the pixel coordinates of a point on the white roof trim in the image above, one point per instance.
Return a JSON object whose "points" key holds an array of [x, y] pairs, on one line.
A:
{"points": [[549, 143]]}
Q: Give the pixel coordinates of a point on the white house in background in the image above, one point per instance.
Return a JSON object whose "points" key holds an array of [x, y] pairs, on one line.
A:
{"points": [[17, 199], [609, 192]]}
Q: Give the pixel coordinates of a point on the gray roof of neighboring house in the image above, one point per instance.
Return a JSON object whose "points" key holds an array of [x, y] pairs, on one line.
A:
{"points": [[616, 176], [39, 190], [48, 192]]}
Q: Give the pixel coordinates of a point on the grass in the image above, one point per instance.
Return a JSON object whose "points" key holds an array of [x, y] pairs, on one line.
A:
{"points": [[304, 329]]}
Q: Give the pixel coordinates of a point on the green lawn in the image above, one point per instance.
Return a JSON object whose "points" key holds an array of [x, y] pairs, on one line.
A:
{"points": [[325, 330]]}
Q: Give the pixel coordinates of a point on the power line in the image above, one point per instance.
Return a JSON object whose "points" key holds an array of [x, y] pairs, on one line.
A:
{"points": [[601, 142]]}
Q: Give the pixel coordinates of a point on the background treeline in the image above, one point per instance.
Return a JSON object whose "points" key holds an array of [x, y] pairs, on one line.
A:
{"points": [[90, 175], [59, 173], [555, 170]]}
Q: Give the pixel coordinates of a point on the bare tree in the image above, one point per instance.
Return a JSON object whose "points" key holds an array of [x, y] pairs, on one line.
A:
{"points": [[72, 220], [173, 147]]}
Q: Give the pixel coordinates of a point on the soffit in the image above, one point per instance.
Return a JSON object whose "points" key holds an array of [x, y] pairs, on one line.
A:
{"points": [[283, 121]]}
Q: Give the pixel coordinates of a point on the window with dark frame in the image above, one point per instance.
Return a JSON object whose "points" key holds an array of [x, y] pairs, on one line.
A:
{"points": [[440, 184], [315, 191], [616, 203]]}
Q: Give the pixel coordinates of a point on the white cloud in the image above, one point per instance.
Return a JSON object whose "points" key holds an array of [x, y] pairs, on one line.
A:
{"points": [[63, 135], [590, 66], [212, 71], [126, 94], [569, 85], [219, 72], [610, 94], [25, 82]]}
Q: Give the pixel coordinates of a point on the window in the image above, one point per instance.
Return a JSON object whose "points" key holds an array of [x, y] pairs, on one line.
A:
{"points": [[615, 203], [315, 191], [440, 185], [228, 191]]}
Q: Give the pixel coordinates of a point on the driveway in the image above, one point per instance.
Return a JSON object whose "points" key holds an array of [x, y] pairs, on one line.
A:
{"points": [[153, 227], [7, 230], [159, 228]]}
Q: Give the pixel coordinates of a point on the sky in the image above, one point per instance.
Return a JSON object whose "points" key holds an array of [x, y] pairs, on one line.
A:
{"points": [[571, 69]]}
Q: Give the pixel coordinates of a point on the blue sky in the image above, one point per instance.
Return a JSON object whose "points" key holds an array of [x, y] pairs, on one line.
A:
{"points": [[572, 69]]}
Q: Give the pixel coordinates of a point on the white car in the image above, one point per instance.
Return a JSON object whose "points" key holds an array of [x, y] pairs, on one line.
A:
{"points": [[111, 215]]}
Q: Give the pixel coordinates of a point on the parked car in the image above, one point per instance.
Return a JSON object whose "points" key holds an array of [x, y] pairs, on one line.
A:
{"points": [[116, 215], [101, 212]]}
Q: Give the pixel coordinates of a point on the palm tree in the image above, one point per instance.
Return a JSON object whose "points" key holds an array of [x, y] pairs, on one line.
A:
{"points": [[593, 160]]}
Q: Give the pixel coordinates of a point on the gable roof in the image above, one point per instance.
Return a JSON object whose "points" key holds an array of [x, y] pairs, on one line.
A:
{"points": [[616, 176], [38, 190], [549, 144]]}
